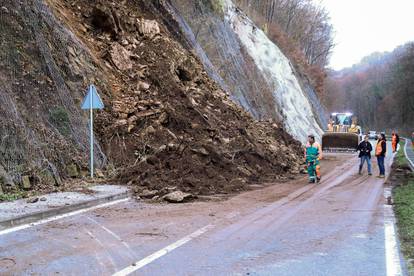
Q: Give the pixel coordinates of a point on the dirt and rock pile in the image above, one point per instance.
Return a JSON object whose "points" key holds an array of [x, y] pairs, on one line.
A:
{"points": [[167, 126]]}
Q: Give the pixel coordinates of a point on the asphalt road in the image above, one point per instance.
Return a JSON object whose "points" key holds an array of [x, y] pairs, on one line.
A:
{"points": [[334, 228], [409, 152]]}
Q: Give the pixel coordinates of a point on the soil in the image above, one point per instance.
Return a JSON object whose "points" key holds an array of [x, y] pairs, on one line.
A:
{"points": [[167, 126], [400, 174]]}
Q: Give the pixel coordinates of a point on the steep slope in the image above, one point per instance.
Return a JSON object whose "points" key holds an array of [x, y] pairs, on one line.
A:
{"points": [[166, 124], [169, 124], [253, 69], [43, 131], [296, 109]]}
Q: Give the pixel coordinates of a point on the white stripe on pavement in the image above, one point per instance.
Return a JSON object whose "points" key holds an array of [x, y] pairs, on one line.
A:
{"points": [[131, 252], [392, 252], [43, 221], [149, 259]]}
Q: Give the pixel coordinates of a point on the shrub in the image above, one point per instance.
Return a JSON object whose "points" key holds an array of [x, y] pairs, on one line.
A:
{"points": [[59, 117]]}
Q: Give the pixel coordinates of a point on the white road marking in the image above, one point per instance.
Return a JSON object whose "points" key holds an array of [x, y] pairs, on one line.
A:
{"points": [[114, 235], [392, 252], [406, 155], [232, 215], [103, 247], [149, 259], [43, 221], [104, 228], [360, 236]]}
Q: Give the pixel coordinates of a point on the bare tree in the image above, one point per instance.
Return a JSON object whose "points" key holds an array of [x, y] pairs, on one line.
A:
{"points": [[303, 21]]}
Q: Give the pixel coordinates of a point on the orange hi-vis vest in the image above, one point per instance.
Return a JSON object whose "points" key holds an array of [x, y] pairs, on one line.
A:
{"points": [[378, 149], [394, 139]]}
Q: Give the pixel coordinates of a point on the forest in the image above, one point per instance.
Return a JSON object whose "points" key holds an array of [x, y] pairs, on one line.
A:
{"points": [[301, 28], [305, 22], [379, 90]]}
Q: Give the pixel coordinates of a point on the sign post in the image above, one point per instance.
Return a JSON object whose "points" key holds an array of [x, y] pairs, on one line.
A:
{"points": [[92, 101]]}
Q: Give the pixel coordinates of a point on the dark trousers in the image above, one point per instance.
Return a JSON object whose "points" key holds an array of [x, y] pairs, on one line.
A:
{"points": [[381, 166], [365, 158]]}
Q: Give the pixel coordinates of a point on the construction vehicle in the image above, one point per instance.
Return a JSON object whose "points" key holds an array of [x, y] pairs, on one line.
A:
{"points": [[343, 133]]}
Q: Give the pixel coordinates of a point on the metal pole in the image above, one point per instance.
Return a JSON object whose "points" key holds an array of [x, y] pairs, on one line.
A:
{"points": [[91, 134]]}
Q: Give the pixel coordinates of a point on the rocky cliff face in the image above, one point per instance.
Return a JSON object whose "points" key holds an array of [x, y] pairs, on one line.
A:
{"points": [[252, 68], [167, 124], [43, 72]]}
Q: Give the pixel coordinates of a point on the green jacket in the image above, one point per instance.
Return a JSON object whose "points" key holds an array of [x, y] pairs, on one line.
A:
{"points": [[312, 154]]}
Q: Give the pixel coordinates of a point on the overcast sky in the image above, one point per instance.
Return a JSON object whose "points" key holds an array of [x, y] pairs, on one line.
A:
{"points": [[366, 26]]}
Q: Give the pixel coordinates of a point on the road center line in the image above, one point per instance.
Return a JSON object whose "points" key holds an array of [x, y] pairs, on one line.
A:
{"points": [[149, 259], [392, 253], [43, 221]]}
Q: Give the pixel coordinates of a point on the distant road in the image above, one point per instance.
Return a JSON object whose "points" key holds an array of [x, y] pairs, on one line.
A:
{"points": [[409, 152]]}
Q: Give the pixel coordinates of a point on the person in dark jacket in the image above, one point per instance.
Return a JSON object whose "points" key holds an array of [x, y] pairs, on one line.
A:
{"points": [[365, 149], [380, 151]]}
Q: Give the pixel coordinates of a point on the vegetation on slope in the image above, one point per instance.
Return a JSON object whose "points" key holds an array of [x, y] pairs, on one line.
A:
{"points": [[404, 206], [302, 30]]}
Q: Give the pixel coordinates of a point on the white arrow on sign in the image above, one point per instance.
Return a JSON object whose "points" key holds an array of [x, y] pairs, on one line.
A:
{"points": [[92, 101]]}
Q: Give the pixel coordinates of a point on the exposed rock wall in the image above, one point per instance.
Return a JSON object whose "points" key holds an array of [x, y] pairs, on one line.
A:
{"points": [[43, 73], [265, 85]]}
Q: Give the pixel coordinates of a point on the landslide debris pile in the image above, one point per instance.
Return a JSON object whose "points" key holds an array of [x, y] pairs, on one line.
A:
{"points": [[167, 125]]}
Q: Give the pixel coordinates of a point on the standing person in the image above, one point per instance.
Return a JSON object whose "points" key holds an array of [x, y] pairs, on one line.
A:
{"points": [[412, 139], [380, 152], [313, 153], [395, 141], [365, 149]]}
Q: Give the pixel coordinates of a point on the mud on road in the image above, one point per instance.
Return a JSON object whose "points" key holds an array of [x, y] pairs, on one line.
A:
{"points": [[108, 239]]}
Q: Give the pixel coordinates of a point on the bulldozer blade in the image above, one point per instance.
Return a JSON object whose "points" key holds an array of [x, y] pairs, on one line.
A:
{"points": [[335, 141]]}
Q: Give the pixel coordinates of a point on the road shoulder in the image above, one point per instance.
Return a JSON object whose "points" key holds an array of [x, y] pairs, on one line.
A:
{"points": [[401, 181], [30, 210]]}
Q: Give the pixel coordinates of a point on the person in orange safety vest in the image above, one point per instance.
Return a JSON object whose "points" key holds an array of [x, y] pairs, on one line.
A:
{"points": [[380, 151], [395, 140]]}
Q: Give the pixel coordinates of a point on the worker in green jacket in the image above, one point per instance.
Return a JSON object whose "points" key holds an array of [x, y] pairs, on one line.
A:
{"points": [[313, 155]]}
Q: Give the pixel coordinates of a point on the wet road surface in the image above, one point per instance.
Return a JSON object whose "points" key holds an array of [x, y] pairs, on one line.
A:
{"points": [[334, 228]]}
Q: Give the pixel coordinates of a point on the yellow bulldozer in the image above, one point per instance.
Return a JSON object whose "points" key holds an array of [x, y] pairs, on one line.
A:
{"points": [[343, 133]]}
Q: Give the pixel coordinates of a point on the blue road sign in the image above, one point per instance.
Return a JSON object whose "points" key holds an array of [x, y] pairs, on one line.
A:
{"points": [[92, 100]]}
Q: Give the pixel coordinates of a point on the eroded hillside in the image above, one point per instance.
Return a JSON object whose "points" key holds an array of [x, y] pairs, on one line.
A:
{"points": [[166, 124]]}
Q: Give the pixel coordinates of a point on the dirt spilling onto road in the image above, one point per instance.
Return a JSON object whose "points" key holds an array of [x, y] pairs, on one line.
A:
{"points": [[168, 126]]}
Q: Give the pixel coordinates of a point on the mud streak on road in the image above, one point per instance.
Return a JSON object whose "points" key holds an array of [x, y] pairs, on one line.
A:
{"points": [[293, 228]]}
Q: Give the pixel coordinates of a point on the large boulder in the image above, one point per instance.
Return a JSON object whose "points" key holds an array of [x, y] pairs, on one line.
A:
{"points": [[148, 193], [72, 171], [148, 28], [27, 185], [177, 197], [5, 180], [121, 57]]}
